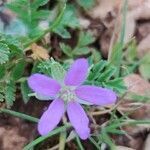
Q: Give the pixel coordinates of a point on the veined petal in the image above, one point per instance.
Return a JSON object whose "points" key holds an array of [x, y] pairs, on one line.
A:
{"points": [[77, 72], [96, 95], [43, 85], [78, 119], [51, 117]]}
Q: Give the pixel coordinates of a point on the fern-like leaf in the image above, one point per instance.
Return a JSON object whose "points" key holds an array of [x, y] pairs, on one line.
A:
{"points": [[10, 93], [25, 91], [4, 53]]}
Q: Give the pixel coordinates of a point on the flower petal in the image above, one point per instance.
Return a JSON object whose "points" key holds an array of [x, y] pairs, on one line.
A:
{"points": [[96, 95], [43, 85], [51, 117], [43, 97], [83, 102], [77, 72], [78, 119]]}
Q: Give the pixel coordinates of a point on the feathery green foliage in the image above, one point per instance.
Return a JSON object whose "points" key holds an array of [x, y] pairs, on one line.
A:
{"points": [[85, 39], [4, 53], [10, 93], [70, 20], [103, 74], [28, 11]]}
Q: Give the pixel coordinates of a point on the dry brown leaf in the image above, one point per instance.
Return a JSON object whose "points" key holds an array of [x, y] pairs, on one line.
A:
{"points": [[137, 85], [123, 148], [39, 52], [102, 8], [131, 18], [84, 22], [138, 110], [132, 139], [133, 4], [142, 113], [137, 9], [143, 30], [143, 10], [130, 27], [105, 42], [144, 47]]}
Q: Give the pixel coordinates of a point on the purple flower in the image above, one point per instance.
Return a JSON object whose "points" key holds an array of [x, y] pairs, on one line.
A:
{"points": [[67, 96]]}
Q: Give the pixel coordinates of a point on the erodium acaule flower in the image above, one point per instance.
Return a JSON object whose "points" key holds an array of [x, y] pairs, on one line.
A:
{"points": [[67, 97]]}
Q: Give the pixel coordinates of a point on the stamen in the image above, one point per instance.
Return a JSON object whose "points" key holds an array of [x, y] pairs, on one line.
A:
{"points": [[67, 94]]}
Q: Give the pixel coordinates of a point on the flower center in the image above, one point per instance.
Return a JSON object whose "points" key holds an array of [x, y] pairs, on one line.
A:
{"points": [[67, 94]]}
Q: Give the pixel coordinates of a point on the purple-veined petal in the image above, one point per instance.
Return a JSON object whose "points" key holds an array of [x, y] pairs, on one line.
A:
{"points": [[51, 117], [77, 72], [96, 95], [78, 119], [43, 85]]}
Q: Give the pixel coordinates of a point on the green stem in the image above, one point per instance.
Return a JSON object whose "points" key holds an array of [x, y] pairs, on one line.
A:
{"points": [[122, 35], [94, 143], [42, 138], [63, 136], [135, 122], [20, 115], [62, 140], [116, 54], [79, 143]]}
